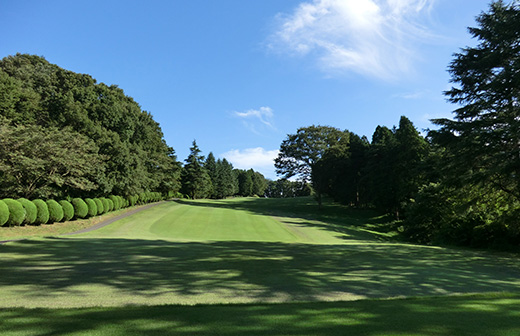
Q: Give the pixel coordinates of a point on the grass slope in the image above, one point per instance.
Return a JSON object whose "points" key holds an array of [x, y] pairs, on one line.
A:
{"points": [[251, 252]]}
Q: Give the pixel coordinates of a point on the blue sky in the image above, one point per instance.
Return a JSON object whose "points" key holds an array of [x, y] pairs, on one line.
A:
{"points": [[239, 75]]}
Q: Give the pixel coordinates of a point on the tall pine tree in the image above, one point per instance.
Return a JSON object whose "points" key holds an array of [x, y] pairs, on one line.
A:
{"points": [[196, 182], [483, 140]]}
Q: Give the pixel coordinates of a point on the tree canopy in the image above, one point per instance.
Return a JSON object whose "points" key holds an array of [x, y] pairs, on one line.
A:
{"points": [[124, 142], [300, 151]]}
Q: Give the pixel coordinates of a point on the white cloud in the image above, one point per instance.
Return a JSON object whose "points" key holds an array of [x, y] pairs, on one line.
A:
{"points": [[377, 38], [258, 158], [256, 120], [264, 115]]}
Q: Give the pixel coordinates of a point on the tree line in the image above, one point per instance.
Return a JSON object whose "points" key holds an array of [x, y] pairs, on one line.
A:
{"points": [[458, 184], [209, 178], [65, 136]]}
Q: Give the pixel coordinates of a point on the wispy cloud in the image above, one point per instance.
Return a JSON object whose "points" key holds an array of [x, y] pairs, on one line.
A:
{"points": [[252, 119], [419, 94], [376, 38], [258, 158]]}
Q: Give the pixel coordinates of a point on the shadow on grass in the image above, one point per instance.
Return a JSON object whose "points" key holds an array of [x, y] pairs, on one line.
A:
{"points": [[441, 317], [222, 272]]}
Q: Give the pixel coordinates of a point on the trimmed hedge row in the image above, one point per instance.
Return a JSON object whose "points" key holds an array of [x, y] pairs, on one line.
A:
{"points": [[25, 212]]}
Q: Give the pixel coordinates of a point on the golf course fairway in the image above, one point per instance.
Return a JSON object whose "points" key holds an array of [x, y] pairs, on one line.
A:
{"points": [[278, 264]]}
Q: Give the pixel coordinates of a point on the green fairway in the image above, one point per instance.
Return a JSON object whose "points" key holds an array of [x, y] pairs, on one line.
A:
{"points": [[495, 315], [252, 252], [216, 221]]}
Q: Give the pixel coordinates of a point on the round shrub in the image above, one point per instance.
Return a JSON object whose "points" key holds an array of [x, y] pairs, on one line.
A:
{"points": [[42, 213], [132, 200], [115, 200], [110, 204], [106, 204], [4, 213], [92, 207], [55, 211], [68, 210], [99, 204], [30, 210], [80, 208], [16, 212], [119, 202]]}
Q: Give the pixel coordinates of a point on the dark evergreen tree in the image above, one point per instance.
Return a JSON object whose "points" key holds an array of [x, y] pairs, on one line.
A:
{"points": [[380, 169], [483, 140], [211, 167], [227, 183], [259, 184], [196, 182], [245, 182]]}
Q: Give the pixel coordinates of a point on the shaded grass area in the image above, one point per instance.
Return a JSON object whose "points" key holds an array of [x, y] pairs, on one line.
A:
{"points": [[491, 314], [64, 272]]}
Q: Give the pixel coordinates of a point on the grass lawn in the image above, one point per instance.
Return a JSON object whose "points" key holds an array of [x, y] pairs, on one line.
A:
{"points": [[252, 266]]}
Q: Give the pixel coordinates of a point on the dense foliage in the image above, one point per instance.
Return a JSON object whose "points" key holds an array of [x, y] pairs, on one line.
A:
{"points": [[55, 121], [461, 183], [284, 188], [477, 198]]}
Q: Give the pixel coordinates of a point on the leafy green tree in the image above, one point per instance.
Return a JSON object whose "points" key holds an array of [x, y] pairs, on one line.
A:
{"points": [[483, 140], [299, 152], [46, 162], [196, 182], [35, 92]]}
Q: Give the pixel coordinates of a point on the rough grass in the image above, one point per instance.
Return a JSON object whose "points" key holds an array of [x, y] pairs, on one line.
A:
{"points": [[277, 261]]}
